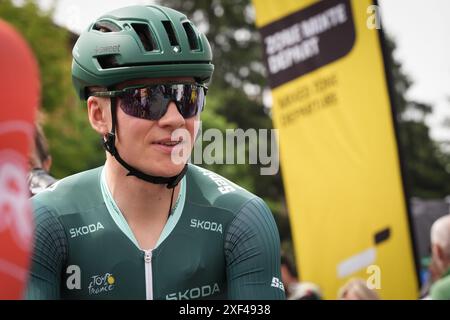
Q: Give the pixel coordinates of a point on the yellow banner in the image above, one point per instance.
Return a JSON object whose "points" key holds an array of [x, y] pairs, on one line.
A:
{"points": [[338, 148]]}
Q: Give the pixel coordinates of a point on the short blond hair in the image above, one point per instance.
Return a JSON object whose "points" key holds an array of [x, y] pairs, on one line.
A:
{"points": [[358, 289]]}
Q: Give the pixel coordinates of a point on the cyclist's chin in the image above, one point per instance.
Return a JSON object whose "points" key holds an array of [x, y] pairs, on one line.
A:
{"points": [[165, 168], [164, 164]]}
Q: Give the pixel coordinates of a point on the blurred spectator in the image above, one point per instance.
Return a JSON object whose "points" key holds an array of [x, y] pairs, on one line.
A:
{"points": [[424, 213], [296, 290], [40, 164], [440, 248], [429, 277], [356, 289]]}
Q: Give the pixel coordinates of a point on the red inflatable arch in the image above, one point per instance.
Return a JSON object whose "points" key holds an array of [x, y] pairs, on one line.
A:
{"points": [[19, 95]]}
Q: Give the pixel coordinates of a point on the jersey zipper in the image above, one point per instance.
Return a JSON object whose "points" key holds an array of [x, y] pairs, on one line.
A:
{"points": [[148, 274]]}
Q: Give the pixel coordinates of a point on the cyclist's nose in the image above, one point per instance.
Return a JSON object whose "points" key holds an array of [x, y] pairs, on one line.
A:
{"points": [[172, 117]]}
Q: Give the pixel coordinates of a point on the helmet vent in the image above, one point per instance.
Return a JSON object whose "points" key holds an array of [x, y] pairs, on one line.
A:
{"points": [[145, 35], [192, 37], [170, 33], [108, 61], [106, 26]]}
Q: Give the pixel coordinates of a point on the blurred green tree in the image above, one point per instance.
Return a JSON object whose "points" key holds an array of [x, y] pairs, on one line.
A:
{"points": [[427, 166], [73, 144]]}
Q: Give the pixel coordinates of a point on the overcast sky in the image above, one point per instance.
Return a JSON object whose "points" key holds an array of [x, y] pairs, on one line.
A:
{"points": [[420, 27]]}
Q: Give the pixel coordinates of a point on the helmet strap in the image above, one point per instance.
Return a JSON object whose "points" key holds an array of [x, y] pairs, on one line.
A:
{"points": [[109, 143]]}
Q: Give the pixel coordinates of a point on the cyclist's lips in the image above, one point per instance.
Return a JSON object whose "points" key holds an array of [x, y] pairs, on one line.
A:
{"points": [[167, 145]]}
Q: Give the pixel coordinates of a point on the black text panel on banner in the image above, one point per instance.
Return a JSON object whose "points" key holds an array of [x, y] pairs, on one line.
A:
{"points": [[338, 146]]}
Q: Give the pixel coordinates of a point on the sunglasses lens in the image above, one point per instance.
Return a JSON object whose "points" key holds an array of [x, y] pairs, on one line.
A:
{"points": [[191, 101], [151, 102], [142, 103]]}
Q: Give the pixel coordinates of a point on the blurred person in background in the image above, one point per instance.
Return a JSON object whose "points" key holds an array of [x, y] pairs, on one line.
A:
{"points": [[39, 177], [440, 248], [356, 289], [296, 290]]}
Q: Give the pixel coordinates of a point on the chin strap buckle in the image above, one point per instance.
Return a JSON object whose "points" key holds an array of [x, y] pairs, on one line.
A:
{"points": [[176, 180], [109, 143]]}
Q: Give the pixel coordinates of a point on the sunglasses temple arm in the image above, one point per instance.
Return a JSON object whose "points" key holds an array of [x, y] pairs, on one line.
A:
{"points": [[108, 94]]}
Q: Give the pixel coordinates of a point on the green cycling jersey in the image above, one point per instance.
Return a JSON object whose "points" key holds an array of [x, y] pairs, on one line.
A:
{"points": [[220, 242]]}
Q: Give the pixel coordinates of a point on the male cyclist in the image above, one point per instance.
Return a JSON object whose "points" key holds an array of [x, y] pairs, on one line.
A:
{"points": [[144, 226]]}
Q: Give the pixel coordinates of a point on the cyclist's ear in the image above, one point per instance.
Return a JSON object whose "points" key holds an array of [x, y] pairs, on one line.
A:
{"points": [[99, 113]]}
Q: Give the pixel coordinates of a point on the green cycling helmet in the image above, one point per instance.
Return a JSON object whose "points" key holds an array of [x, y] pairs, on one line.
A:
{"points": [[139, 42]]}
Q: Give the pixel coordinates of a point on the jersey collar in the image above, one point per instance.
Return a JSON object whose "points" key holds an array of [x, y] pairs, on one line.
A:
{"points": [[122, 223]]}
